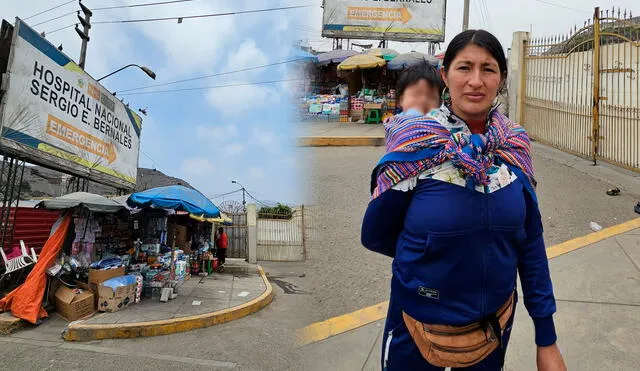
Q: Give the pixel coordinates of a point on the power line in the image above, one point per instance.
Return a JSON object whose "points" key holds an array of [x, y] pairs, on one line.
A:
{"points": [[480, 15], [255, 199], [185, 17], [48, 10], [486, 10], [211, 87], [219, 195], [204, 15], [59, 29], [562, 6], [144, 4], [53, 19], [212, 75], [114, 7]]}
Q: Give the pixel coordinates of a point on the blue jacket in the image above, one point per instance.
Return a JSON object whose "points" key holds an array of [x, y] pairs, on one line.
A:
{"points": [[456, 252]]}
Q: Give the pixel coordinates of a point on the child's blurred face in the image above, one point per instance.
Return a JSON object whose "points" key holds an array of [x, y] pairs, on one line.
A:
{"points": [[420, 96]]}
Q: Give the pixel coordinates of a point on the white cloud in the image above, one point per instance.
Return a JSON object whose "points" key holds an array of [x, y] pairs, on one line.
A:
{"points": [[265, 139], [233, 149], [256, 173], [194, 44], [197, 166], [231, 101], [219, 133], [247, 55]]}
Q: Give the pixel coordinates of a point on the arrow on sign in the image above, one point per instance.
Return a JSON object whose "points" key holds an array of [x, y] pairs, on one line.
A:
{"points": [[378, 14], [85, 141]]}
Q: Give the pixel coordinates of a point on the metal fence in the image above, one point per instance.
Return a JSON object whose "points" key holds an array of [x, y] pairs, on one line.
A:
{"points": [[285, 229], [237, 235], [582, 89]]}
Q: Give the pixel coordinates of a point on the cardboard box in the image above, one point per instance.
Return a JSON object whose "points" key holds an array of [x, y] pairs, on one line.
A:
{"points": [[110, 301], [73, 306], [97, 276]]}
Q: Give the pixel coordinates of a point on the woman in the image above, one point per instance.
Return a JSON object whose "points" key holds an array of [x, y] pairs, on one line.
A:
{"points": [[454, 205]]}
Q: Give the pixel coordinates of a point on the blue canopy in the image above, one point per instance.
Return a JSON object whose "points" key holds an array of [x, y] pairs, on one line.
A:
{"points": [[407, 60], [303, 56], [177, 198]]}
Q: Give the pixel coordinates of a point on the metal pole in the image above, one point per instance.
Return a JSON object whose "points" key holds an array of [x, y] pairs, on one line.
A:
{"points": [[304, 234], [595, 136], [85, 41], [244, 202], [465, 16]]}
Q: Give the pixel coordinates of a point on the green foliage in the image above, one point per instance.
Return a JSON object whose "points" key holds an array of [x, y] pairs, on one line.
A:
{"points": [[276, 212]]}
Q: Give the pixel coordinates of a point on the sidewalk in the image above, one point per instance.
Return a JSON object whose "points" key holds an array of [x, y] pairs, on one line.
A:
{"points": [[321, 134], [597, 289], [241, 290]]}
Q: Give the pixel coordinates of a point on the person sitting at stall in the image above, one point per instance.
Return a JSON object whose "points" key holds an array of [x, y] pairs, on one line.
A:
{"points": [[221, 248]]}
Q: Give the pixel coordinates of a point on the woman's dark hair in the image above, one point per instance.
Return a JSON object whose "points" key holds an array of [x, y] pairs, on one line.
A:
{"points": [[220, 230], [415, 73], [479, 38]]}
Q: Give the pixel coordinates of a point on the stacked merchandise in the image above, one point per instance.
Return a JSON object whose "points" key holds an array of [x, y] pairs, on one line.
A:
{"points": [[324, 107], [357, 108], [86, 230], [344, 111]]}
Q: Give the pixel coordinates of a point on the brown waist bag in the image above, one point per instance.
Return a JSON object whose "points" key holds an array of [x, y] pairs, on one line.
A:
{"points": [[459, 346]]}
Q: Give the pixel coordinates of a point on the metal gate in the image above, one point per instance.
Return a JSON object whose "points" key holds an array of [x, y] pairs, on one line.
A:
{"points": [[589, 111], [237, 235]]}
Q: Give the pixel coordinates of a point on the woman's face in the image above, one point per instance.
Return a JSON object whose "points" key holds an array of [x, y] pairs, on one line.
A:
{"points": [[473, 80]]}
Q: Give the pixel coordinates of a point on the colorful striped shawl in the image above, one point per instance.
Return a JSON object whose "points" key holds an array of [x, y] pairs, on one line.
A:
{"points": [[418, 143]]}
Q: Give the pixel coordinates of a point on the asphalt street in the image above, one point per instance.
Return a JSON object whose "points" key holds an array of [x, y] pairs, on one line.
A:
{"points": [[261, 341], [344, 277]]}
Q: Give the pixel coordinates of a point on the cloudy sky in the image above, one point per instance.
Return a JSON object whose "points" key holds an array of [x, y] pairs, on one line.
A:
{"points": [[208, 136], [501, 17]]}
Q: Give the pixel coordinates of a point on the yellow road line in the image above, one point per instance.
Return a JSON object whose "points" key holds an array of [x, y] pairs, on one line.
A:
{"points": [[591, 238], [333, 326], [337, 325]]}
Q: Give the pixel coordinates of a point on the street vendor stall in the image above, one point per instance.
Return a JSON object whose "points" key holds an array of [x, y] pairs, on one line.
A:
{"points": [[183, 201], [368, 105]]}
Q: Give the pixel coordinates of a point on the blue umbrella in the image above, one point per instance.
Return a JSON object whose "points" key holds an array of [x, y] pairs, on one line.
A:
{"points": [[405, 60], [299, 54], [177, 198], [334, 56]]}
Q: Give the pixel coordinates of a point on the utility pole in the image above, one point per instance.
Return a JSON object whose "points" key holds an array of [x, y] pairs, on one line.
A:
{"points": [[465, 16], [84, 34]]}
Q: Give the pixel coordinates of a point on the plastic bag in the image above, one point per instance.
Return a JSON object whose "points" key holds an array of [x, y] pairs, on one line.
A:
{"points": [[116, 282]]}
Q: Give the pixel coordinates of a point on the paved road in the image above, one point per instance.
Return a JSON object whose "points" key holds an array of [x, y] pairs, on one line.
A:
{"points": [[262, 341], [345, 277]]}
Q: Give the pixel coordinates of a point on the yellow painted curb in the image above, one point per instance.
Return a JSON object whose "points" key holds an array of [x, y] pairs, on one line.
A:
{"points": [[79, 331], [591, 238], [337, 325], [335, 141], [333, 326]]}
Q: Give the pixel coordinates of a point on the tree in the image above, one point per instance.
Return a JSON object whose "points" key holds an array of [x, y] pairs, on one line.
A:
{"points": [[277, 212]]}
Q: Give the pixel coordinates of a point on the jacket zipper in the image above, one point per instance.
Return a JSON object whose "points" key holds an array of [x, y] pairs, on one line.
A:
{"points": [[456, 351], [484, 253], [386, 349]]}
